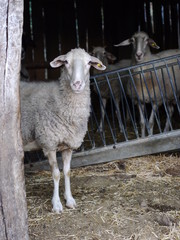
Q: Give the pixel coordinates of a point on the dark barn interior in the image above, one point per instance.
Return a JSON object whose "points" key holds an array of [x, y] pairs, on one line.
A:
{"points": [[53, 27]]}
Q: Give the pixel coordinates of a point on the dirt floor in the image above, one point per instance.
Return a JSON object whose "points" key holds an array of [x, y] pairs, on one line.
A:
{"points": [[134, 199]]}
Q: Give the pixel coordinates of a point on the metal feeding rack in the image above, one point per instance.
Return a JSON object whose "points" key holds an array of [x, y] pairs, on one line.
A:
{"points": [[114, 128]]}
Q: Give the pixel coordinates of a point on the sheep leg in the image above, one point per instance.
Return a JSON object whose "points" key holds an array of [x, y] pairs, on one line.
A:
{"points": [[142, 121], [66, 157], [118, 114], [151, 119], [57, 206], [127, 115], [171, 111], [101, 124]]}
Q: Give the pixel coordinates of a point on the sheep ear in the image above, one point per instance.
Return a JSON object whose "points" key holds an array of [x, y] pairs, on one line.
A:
{"points": [[96, 63], [152, 43], [110, 56], [59, 61], [124, 43]]}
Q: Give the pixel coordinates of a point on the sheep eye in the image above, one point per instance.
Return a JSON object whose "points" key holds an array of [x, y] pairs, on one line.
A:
{"points": [[65, 62]]}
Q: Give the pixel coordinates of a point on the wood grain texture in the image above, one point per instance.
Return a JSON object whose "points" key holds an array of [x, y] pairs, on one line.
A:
{"points": [[13, 209]]}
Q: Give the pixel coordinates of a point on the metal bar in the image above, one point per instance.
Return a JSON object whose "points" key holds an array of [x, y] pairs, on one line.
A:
{"points": [[118, 113], [101, 135], [104, 110], [170, 78], [162, 96], [150, 97], [99, 142], [127, 105], [155, 144], [137, 95]]}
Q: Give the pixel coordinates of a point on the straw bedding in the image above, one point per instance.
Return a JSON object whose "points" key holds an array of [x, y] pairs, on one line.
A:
{"points": [[134, 199]]}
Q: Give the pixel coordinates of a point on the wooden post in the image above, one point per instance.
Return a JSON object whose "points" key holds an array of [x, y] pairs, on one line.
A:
{"points": [[13, 209]]}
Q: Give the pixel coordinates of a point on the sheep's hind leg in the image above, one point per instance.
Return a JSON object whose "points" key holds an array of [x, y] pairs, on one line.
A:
{"points": [[151, 119], [66, 157], [57, 206], [171, 111]]}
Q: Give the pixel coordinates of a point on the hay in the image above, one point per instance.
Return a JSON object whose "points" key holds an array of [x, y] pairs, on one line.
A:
{"points": [[134, 199]]}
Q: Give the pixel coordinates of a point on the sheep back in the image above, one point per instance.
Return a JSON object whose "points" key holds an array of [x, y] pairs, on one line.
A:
{"points": [[154, 81]]}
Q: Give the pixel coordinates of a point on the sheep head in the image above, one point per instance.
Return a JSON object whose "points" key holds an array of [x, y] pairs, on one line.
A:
{"points": [[141, 45], [77, 64]]}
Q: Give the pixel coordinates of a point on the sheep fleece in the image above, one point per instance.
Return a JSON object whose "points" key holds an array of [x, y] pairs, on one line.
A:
{"points": [[52, 115]]}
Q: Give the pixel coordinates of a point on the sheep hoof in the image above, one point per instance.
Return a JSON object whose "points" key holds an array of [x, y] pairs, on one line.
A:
{"points": [[57, 206], [57, 210], [71, 203]]}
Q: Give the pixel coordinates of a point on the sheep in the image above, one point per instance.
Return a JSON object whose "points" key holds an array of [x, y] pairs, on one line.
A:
{"points": [[141, 53], [106, 57], [54, 115]]}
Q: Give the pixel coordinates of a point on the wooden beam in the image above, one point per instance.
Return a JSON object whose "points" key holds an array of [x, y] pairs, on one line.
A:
{"points": [[156, 144], [13, 209]]}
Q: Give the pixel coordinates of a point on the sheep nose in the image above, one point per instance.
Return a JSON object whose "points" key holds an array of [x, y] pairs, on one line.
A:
{"points": [[77, 84], [139, 54]]}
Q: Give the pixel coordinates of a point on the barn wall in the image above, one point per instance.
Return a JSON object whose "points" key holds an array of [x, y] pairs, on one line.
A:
{"points": [[56, 26], [13, 207]]}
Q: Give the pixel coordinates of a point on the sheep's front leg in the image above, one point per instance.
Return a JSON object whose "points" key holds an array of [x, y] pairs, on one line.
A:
{"points": [[151, 119], [103, 109], [142, 120], [121, 127], [66, 157], [57, 206]]}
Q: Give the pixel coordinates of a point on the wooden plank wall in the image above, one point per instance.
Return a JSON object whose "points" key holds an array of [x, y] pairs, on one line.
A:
{"points": [[166, 20], [56, 26]]}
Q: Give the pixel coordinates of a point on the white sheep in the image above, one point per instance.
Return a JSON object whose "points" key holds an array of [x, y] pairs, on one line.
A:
{"points": [[106, 57], [54, 115], [141, 53]]}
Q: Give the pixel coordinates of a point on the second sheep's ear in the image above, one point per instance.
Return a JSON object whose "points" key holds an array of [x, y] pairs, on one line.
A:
{"points": [[152, 43], [110, 57], [96, 63], [58, 61], [124, 43]]}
